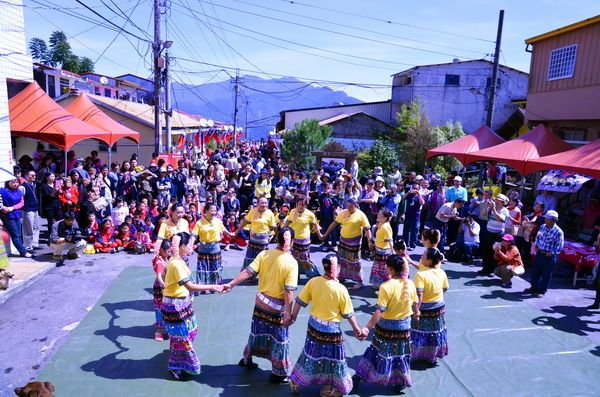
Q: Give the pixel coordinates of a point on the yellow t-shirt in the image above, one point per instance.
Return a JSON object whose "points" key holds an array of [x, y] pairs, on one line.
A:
{"points": [[278, 272], [330, 299], [263, 187], [301, 223], [260, 223], [392, 300], [352, 224], [383, 236], [168, 229], [432, 283], [177, 274], [209, 232]]}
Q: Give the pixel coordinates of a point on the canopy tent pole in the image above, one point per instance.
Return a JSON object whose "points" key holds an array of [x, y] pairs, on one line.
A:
{"points": [[65, 165], [138, 150], [109, 155]]}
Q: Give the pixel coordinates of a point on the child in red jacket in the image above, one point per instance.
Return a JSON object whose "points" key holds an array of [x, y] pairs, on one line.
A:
{"points": [[105, 239]]}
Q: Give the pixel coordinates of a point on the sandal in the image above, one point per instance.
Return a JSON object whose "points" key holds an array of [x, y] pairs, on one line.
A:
{"points": [[294, 386], [333, 392], [158, 336]]}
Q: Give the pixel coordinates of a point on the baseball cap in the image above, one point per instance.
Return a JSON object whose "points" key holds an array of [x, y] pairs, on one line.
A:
{"points": [[458, 178], [551, 215]]}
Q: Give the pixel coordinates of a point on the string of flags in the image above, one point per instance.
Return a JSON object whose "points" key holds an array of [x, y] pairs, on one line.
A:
{"points": [[220, 137]]}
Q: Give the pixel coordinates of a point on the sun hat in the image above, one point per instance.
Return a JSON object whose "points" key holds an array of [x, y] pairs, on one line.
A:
{"points": [[508, 237], [551, 214], [458, 178], [502, 198]]}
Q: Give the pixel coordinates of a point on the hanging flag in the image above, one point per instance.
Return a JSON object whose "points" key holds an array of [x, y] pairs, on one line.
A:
{"points": [[181, 142], [217, 138], [198, 139]]}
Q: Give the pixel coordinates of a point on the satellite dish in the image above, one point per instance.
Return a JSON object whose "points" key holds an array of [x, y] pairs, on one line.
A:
{"points": [[103, 80], [211, 123], [203, 123]]}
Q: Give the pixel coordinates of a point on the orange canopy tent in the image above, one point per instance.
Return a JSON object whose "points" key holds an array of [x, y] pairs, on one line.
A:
{"points": [[33, 114], [85, 110], [481, 138], [584, 160], [536, 143]]}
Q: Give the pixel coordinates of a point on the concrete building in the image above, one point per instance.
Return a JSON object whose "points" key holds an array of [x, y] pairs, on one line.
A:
{"points": [[565, 83], [15, 65], [458, 91]]}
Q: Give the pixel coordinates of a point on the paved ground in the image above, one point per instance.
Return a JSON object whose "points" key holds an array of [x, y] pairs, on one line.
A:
{"points": [[562, 311]]}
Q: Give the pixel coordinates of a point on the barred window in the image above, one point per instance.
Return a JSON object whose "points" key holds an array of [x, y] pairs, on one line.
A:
{"points": [[562, 62]]}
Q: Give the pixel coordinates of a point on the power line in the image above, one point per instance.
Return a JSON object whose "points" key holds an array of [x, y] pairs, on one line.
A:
{"points": [[294, 2]]}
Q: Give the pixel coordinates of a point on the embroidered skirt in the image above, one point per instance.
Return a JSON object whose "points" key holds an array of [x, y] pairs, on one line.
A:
{"points": [[349, 258], [428, 336], [258, 242], [379, 272], [387, 360], [323, 358], [180, 322], [301, 252], [157, 292], [268, 337], [210, 266]]}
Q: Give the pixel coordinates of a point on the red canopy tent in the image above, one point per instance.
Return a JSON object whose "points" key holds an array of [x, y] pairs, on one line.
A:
{"points": [[33, 114], [584, 160], [536, 143], [481, 138], [85, 110]]}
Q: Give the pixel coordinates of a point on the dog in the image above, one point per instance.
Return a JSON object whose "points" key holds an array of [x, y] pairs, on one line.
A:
{"points": [[36, 389], [5, 277]]}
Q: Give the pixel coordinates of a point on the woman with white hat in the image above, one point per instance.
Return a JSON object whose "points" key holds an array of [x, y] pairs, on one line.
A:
{"points": [[497, 215]]}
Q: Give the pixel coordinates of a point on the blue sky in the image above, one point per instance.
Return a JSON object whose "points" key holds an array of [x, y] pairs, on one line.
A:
{"points": [[349, 45]]}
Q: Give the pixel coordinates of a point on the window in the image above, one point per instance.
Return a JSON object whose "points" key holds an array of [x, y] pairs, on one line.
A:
{"points": [[488, 83], [107, 92], [562, 62], [51, 87], [571, 134], [452, 79]]}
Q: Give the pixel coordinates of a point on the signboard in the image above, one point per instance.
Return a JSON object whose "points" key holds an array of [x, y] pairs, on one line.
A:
{"points": [[562, 181]]}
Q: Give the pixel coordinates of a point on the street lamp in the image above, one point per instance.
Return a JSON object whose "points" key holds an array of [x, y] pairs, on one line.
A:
{"points": [[159, 63]]}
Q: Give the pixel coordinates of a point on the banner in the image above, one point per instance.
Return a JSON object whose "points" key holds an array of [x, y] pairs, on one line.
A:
{"points": [[562, 181]]}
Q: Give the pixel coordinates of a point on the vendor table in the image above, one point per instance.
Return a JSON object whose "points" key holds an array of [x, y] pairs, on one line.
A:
{"points": [[580, 255]]}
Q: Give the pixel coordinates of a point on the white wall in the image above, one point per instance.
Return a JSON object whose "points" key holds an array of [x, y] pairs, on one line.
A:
{"points": [[457, 103], [16, 64]]}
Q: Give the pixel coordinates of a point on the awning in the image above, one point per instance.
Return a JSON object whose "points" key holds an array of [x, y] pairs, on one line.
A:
{"points": [[562, 181], [584, 160], [85, 110], [538, 142], [481, 138], [33, 114]]}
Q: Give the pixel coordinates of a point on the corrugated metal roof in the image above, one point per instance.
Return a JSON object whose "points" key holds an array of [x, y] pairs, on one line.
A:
{"points": [[143, 112], [454, 63], [339, 117]]}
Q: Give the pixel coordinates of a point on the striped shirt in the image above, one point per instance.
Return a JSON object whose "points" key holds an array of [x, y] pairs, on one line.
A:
{"points": [[550, 239], [496, 225]]}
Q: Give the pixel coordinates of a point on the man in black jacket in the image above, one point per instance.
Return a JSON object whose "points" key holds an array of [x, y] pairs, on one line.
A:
{"points": [[29, 212], [64, 237]]}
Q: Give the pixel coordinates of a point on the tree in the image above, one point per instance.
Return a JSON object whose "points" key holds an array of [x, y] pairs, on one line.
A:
{"points": [[446, 134], [307, 136], [59, 54], [381, 154], [416, 135]]}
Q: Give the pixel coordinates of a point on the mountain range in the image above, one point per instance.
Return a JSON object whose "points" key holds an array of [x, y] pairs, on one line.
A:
{"points": [[260, 99]]}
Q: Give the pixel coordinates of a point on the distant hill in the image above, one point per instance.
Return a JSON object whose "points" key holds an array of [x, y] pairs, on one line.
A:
{"points": [[266, 99]]}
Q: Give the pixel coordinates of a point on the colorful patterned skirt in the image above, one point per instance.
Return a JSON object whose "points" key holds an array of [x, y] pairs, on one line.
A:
{"points": [[157, 292], [210, 266], [268, 337], [301, 252], [387, 360], [428, 336], [323, 358], [379, 272], [349, 258], [180, 322], [258, 243]]}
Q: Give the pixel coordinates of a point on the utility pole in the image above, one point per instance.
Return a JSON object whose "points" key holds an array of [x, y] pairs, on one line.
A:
{"points": [[168, 110], [235, 104], [246, 126], [493, 85], [157, 84]]}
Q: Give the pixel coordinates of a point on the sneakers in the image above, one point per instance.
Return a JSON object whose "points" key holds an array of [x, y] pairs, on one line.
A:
{"points": [[112, 250], [57, 257], [529, 291], [226, 248], [74, 256], [507, 284], [539, 295]]}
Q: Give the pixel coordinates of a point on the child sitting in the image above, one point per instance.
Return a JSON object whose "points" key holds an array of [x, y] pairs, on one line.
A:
{"points": [[132, 228], [105, 238], [125, 238], [92, 227], [231, 225], [119, 211]]}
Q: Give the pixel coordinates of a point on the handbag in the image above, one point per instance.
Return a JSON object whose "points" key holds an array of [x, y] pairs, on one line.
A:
{"points": [[518, 271], [99, 204]]}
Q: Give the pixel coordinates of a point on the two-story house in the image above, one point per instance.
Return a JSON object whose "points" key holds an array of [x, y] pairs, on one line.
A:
{"points": [[459, 91], [564, 87]]}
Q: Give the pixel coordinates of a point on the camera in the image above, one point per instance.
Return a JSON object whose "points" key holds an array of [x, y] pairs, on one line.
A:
{"points": [[74, 235]]}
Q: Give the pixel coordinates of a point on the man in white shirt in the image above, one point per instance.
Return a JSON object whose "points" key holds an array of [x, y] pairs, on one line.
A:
{"points": [[471, 231], [548, 199], [445, 213]]}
